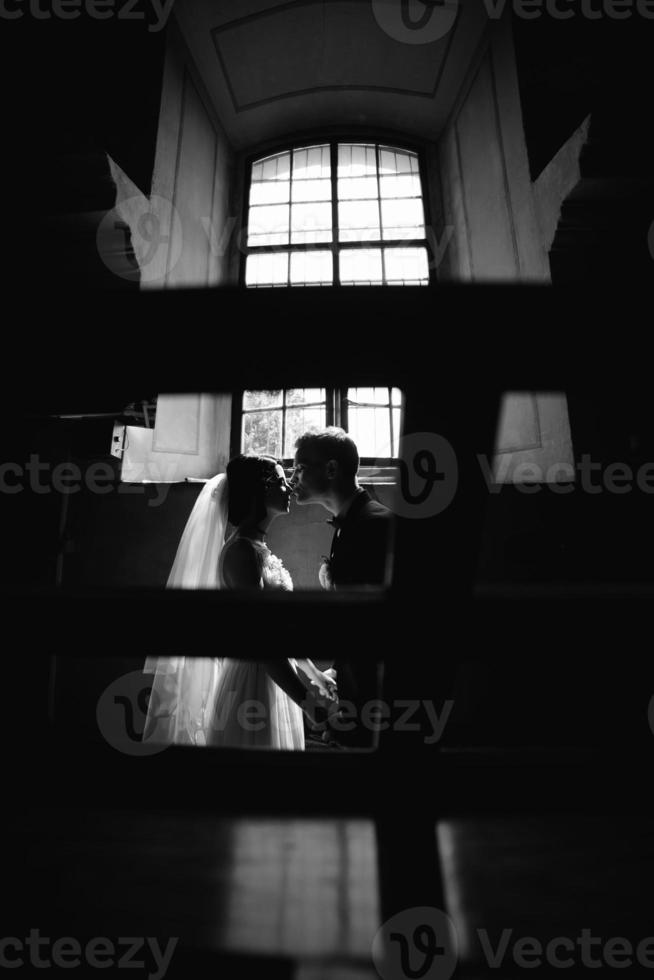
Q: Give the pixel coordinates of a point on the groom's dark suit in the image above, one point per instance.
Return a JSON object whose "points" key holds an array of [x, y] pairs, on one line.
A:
{"points": [[361, 543], [360, 556]]}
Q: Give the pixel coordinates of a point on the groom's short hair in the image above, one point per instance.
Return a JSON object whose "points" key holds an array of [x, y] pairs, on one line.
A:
{"points": [[332, 443]]}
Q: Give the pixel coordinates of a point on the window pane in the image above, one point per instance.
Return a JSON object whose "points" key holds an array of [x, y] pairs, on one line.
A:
{"points": [[311, 223], [357, 187], [358, 221], [311, 163], [376, 396], [311, 268], [262, 399], [356, 160], [262, 433], [397, 431], [267, 269], [361, 266], [276, 167], [370, 427], [312, 190], [268, 225], [406, 266], [371, 430], [298, 420], [407, 185], [269, 192], [403, 219], [392, 162], [303, 396]]}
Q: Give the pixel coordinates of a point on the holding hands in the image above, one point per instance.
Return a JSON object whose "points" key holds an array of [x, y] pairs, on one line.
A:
{"points": [[321, 702], [325, 682]]}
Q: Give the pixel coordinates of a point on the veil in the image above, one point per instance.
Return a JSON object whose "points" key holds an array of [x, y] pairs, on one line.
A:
{"points": [[183, 688]]}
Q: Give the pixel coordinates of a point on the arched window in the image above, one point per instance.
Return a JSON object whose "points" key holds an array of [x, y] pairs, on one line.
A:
{"points": [[336, 213]]}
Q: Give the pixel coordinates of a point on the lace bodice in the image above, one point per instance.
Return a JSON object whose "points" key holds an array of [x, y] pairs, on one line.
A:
{"points": [[274, 575], [273, 572]]}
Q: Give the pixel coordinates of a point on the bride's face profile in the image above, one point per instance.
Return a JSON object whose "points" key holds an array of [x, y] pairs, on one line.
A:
{"points": [[278, 492]]}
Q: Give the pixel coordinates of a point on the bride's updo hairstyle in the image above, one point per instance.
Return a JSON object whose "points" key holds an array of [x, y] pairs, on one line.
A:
{"points": [[246, 476]]}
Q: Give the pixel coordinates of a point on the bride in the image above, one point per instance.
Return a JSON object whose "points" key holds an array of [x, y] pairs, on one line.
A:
{"points": [[229, 702]]}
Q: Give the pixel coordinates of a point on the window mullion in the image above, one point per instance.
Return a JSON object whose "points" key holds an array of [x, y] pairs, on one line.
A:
{"points": [[342, 392], [237, 435], [283, 422], [330, 414], [381, 230], [290, 223], [333, 157]]}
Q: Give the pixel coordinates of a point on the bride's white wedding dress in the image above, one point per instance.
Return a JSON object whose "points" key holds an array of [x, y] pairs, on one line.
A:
{"points": [[216, 700], [250, 709]]}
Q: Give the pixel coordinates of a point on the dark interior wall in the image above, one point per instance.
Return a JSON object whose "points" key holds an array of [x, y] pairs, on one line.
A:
{"points": [[571, 67], [589, 530], [87, 530], [600, 689], [94, 82], [83, 89], [128, 537]]}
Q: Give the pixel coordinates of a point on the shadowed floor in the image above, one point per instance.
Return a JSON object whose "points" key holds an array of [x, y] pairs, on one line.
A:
{"points": [[302, 898]]}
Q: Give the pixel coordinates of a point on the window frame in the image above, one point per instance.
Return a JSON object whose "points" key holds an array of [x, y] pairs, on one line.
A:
{"points": [[392, 140], [336, 414]]}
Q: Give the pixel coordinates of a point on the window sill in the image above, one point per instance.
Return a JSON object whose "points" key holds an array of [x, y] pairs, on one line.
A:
{"points": [[368, 475]]}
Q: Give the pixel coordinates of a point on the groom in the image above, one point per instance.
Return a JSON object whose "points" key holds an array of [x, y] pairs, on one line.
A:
{"points": [[325, 472]]}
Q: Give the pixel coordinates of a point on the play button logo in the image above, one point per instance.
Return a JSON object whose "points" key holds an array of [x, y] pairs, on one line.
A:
{"points": [[416, 944], [416, 21]]}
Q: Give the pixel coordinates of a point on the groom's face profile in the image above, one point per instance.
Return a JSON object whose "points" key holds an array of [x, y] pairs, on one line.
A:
{"points": [[309, 480]]}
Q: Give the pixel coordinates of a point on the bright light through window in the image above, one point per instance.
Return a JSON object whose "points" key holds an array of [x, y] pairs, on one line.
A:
{"points": [[272, 421], [314, 213]]}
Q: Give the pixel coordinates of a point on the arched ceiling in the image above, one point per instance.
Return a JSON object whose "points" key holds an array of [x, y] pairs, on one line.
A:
{"points": [[277, 67]]}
